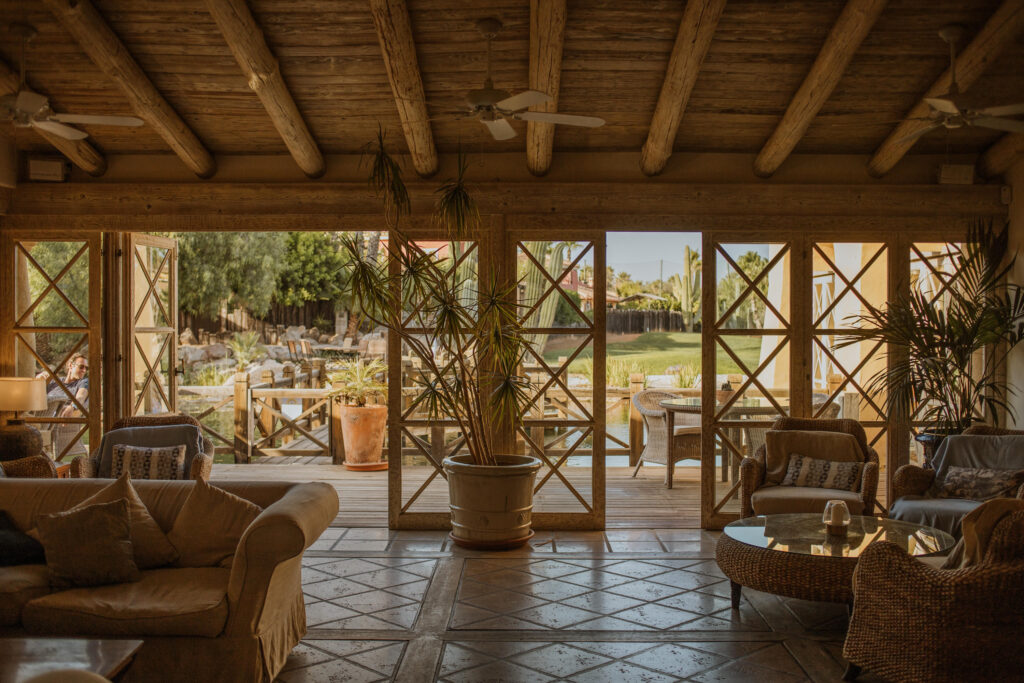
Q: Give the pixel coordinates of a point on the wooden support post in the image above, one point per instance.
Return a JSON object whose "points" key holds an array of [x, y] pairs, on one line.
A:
{"points": [[337, 440], [287, 380], [437, 443], [537, 413], [266, 418], [317, 382], [636, 420], [242, 446]]}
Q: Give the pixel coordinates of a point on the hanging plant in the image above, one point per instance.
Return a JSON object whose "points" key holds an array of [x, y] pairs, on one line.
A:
{"points": [[386, 180], [456, 210]]}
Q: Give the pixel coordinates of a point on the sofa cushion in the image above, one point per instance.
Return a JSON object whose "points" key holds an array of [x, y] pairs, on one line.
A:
{"points": [[89, 546], [18, 585], [209, 526], [164, 602], [942, 513], [822, 473], [17, 547], [776, 500], [148, 462], [782, 443]]}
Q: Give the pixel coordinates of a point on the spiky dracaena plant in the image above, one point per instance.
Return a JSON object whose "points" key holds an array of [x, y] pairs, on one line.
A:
{"points": [[945, 361], [386, 180]]}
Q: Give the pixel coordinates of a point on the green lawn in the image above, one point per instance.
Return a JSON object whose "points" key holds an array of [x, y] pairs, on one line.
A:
{"points": [[656, 351]]}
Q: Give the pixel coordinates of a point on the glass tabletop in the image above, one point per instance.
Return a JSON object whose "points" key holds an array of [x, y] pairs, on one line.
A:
{"points": [[805, 534]]}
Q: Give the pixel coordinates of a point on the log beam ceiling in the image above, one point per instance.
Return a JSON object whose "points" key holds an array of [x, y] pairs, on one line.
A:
{"points": [[850, 29], [81, 153], [696, 28], [394, 31], [106, 50], [997, 159], [249, 46], [547, 36], [998, 33]]}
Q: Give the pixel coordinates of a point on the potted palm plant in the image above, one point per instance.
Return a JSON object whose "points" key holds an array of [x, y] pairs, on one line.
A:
{"points": [[946, 358], [353, 386]]}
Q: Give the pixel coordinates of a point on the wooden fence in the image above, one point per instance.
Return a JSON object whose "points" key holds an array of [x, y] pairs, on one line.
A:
{"points": [[622, 321], [240, 320]]}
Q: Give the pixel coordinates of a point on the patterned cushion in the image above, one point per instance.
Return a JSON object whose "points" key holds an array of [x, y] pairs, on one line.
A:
{"points": [[980, 483], [822, 474], [167, 462]]}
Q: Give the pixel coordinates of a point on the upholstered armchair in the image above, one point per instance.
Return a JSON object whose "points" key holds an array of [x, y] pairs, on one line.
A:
{"points": [[760, 475], [913, 498], [150, 431], [914, 622], [685, 443], [34, 466]]}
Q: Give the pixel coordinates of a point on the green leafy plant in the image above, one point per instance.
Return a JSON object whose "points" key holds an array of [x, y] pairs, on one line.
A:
{"points": [[206, 376], [386, 180], [687, 375], [356, 381], [246, 347], [945, 357], [456, 210]]}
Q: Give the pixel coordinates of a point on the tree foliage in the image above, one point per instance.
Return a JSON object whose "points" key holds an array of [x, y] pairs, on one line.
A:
{"points": [[241, 268], [312, 269], [750, 313]]}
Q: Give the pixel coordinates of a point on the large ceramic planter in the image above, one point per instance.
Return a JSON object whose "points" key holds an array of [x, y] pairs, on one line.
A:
{"points": [[491, 506], [362, 431]]}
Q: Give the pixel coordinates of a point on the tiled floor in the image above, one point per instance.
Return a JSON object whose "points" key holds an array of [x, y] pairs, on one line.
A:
{"points": [[616, 606]]}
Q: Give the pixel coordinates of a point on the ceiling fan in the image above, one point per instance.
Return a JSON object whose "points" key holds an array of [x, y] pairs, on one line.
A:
{"points": [[28, 109], [947, 111], [493, 107]]}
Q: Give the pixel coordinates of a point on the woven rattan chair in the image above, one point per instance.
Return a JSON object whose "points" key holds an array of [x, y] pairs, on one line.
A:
{"points": [[912, 622], [685, 441], [752, 470], [84, 467], [34, 466]]}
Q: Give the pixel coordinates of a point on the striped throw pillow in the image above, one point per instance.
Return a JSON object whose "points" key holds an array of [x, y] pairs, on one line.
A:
{"points": [[166, 462], [822, 474]]}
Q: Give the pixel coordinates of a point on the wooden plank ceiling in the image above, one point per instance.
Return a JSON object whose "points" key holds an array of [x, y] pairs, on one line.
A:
{"points": [[614, 61]]}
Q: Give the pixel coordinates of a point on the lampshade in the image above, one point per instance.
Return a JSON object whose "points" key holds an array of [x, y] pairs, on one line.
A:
{"points": [[22, 393]]}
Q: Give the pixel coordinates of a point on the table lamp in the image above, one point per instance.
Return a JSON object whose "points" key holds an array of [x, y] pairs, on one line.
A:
{"points": [[20, 394]]}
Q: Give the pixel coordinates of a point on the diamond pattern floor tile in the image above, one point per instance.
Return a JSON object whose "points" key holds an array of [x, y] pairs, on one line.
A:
{"points": [[358, 661]]}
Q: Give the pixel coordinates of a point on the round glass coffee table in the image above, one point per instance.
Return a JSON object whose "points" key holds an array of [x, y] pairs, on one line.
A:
{"points": [[792, 555]]}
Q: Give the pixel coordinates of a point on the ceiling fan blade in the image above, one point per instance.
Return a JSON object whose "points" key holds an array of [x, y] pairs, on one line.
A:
{"points": [[96, 120], [522, 100], [567, 119], [1004, 110], [30, 102], [1009, 125], [59, 129], [918, 133], [946, 106], [500, 129]]}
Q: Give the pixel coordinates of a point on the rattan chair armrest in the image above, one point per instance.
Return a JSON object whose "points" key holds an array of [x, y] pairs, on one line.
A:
{"points": [[751, 479], [34, 466], [202, 467], [1020, 492], [83, 467], [683, 431], [869, 486], [911, 480]]}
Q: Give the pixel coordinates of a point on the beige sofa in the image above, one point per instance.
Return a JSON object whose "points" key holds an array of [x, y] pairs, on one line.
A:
{"points": [[203, 624]]}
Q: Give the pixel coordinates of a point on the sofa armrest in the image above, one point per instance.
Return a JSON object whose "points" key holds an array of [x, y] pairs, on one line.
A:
{"points": [[83, 467], [911, 480], [751, 479], [266, 569], [202, 467], [869, 486]]}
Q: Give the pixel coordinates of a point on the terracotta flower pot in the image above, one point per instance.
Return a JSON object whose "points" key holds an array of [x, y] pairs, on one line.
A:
{"points": [[362, 431], [492, 506]]}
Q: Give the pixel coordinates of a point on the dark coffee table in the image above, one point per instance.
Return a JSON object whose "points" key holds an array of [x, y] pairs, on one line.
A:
{"points": [[22, 658], [792, 555]]}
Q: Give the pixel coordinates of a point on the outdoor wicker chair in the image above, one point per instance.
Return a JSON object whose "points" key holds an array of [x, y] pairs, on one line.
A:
{"points": [[914, 622], [34, 466], [685, 441], [753, 473]]}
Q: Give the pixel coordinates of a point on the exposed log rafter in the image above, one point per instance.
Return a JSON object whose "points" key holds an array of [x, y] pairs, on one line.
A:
{"points": [[998, 33], [394, 31], [997, 159], [547, 36], [81, 152], [249, 46], [850, 29], [697, 27], [81, 19]]}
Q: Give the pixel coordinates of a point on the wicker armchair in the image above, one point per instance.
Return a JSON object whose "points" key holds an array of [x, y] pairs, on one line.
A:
{"points": [[752, 470], [685, 441], [87, 467], [34, 466], [912, 622]]}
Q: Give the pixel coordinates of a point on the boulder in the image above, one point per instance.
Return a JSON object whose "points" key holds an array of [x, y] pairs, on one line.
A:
{"points": [[312, 333], [293, 333], [215, 351], [277, 352], [324, 339], [186, 338], [256, 370], [190, 355]]}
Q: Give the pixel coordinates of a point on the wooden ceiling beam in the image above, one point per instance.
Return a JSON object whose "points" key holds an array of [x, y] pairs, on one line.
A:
{"points": [[249, 46], [850, 29], [696, 28], [547, 36], [80, 152], [997, 159], [394, 31], [998, 33], [106, 50]]}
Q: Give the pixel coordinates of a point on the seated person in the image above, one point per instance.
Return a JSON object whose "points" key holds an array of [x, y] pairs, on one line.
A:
{"points": [[76, 384]]}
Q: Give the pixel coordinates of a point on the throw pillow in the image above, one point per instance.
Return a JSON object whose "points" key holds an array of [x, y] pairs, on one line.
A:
{"points": [[89, 547], [208, 527], [780, 444], [149, 542], [167, 462], [980, 483], [17, 547], [822, 474]]}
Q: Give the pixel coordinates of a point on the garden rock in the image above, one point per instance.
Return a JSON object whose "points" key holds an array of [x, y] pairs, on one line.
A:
{"points": [[216, 351], [187, 338], [277, 352], [293, 333], [190, 355]]}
